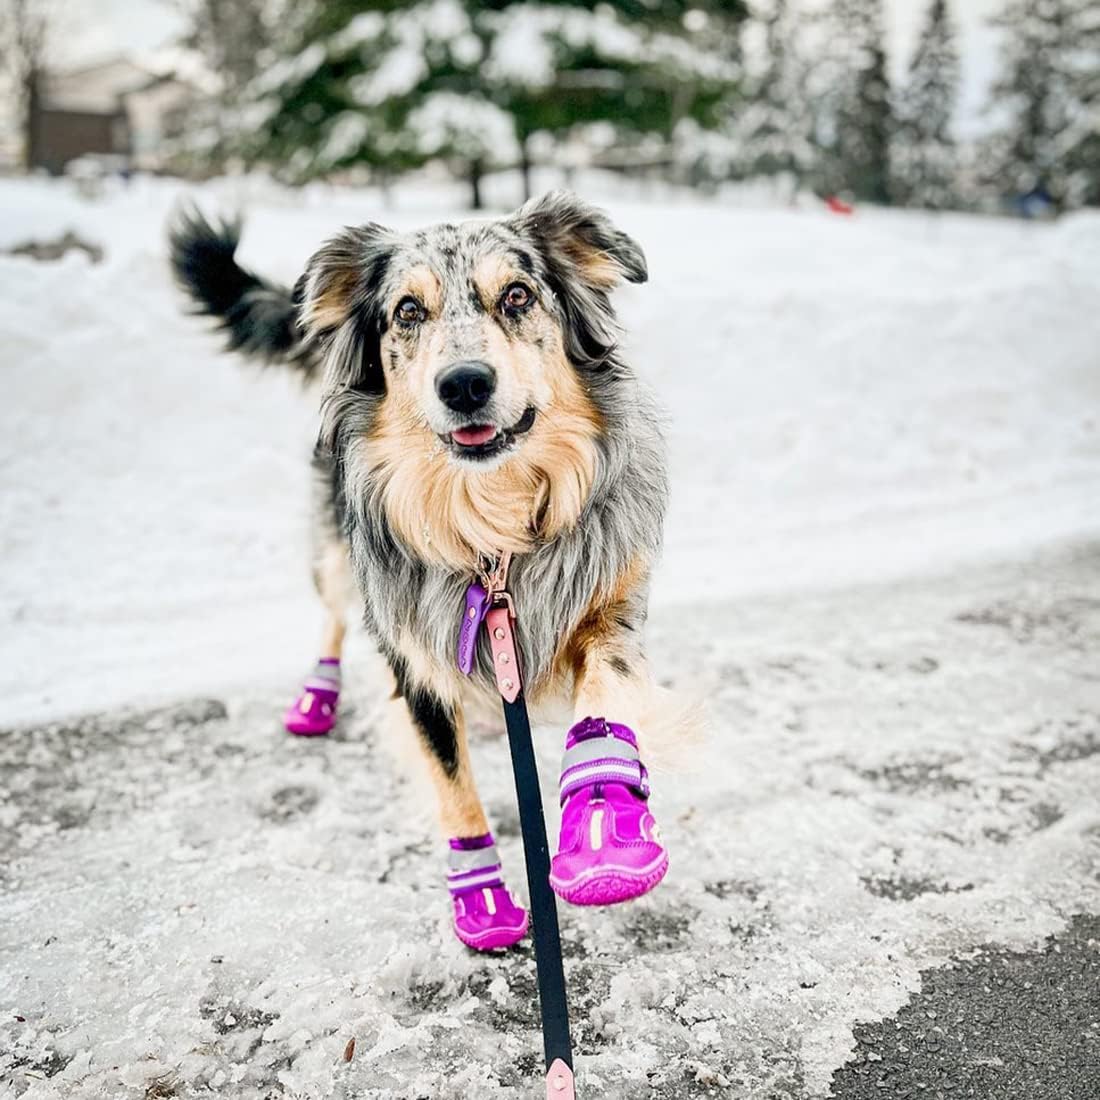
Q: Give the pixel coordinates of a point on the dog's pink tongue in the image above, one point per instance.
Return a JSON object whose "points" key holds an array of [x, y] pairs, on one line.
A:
{"points": [[473, 436]]}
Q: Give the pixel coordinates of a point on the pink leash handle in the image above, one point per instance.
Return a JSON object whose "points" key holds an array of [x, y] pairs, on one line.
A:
{"points": [[559, 1082]]}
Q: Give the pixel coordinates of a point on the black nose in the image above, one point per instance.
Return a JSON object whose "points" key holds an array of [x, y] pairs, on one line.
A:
{"points": [[466, 387]]}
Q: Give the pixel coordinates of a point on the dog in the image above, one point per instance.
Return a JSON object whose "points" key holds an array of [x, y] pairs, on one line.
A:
{"points": [[476, 411]]}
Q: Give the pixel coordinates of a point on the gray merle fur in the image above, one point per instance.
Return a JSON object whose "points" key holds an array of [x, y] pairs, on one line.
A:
{"points": [[555, 583]]}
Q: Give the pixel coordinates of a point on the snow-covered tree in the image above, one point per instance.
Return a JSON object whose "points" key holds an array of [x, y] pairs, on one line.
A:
{"points": [[391, 86], [772, 125], [234, 37], [25, 32], [855, 118], [624, 77], [1081, 142], [374, 85], [235, 40], [1047, 99], [924, 158]]}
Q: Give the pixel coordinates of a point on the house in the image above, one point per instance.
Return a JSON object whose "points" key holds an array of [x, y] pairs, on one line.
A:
{"points": [[114, 109]]}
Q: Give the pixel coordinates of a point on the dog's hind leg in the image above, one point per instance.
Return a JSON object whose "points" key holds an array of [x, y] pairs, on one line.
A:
{"points": [[609, 849], [486, 916], [313, 712]]}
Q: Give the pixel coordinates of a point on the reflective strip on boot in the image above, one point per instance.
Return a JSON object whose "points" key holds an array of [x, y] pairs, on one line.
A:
{"points": [[473, 868], [606, 759]]}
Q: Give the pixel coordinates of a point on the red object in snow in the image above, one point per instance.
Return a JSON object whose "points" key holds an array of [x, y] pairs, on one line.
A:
{"points": [[839, 206]]}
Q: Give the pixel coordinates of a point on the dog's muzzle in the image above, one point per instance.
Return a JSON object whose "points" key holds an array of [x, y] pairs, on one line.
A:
{"points": [[466, 389]]}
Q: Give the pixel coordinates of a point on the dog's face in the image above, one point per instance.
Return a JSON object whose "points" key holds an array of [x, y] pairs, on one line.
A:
{"points": [[474, 333], [456, 359], [469, 342]]}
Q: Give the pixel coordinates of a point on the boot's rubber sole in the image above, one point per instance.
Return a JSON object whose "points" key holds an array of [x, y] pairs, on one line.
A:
{"points": [[309, 732], [610, 885], [494, 939]]}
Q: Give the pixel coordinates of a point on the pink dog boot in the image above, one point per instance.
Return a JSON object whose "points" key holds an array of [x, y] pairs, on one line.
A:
{"points": [[609, 851], [486, 917], [314, 711]]}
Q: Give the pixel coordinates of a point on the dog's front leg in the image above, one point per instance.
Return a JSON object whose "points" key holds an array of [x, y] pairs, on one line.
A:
{"points": [[610, 675], [485, 915], [609, 850]]}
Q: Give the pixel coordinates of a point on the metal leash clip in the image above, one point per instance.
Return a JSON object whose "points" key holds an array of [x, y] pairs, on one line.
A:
{"points": [[494, 579]]}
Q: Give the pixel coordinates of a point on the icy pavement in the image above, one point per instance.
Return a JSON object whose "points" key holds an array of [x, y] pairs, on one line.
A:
{"points": [[195, 904]]}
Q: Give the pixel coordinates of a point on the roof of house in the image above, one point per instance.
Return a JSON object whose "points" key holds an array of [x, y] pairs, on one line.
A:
{"points": [[100, 87]]}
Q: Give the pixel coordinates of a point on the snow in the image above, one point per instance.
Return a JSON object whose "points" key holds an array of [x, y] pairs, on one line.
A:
{"points": [[403, 64], [292, 70], [347, 132], [851, 400], [472, 126], [362, 30], [399, 71], [191, 897], [879, 571], [528, 40]]}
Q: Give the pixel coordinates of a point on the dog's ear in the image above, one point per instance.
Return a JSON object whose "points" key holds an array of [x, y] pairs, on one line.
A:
{"points": [[581, 239], [338, 299], [585, 257]]}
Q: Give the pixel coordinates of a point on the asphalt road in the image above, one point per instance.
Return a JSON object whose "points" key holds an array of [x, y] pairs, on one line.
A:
{"points": [[1000, 1025]]}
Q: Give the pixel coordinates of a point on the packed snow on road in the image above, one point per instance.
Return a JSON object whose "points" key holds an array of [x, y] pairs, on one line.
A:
{"points": [[882, 575]]}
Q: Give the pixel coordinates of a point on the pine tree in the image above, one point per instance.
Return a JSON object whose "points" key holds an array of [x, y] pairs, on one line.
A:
{"points": [[389, 86], [621, 75], [855, 117], [382, 86], [1047, 92], [772, 129], [1081, 144], [924, 159], [234, 38]]}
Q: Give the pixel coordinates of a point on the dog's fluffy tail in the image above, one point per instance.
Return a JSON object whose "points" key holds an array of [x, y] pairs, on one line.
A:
{"points": [[259, 318]]}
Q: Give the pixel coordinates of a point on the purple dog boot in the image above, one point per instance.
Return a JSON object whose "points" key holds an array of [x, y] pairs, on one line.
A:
{"points": [[313, 713], [486, 918], [609, 849]]}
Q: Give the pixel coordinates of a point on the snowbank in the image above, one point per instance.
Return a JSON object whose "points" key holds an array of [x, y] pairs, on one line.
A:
{"points": [[850, 400]]}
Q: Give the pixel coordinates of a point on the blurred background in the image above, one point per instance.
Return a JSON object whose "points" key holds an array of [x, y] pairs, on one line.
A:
{"points": [[941, 104]]}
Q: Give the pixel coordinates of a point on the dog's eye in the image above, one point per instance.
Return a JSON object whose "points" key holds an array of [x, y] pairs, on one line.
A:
{"points": [[409, 311], [517, 297]]}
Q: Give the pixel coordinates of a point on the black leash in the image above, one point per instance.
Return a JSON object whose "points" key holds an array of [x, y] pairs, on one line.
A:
{"points": [[544, 909], [493, 605], [489, 603]]}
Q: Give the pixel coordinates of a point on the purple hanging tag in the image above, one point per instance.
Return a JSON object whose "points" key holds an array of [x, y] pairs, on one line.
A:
{"points": [[473, 615]]}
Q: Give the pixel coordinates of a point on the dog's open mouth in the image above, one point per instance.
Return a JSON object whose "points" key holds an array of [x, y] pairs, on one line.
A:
{"points": [[484, 440]]}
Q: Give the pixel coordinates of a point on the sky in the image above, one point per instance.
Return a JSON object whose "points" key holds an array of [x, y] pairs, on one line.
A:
{"points": [[93, 29]]}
